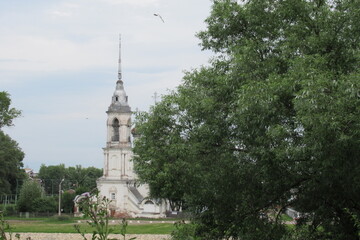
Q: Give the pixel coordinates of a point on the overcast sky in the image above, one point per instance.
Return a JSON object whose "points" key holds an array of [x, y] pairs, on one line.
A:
{"points": [[58, 61]]}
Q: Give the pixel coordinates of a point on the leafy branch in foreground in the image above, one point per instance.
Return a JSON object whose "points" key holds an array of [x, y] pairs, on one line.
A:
{"points": [[6, 230], [123, 230], [96, 208]]}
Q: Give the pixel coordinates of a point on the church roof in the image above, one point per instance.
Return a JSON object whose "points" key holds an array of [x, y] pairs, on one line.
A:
{"points": [[119, 102]]}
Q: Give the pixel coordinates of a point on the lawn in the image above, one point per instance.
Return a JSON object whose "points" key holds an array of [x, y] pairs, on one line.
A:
{"points": [[56, 226]]}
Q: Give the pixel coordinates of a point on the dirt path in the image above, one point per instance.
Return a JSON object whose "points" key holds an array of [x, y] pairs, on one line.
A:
{"points": [[75, 236]]}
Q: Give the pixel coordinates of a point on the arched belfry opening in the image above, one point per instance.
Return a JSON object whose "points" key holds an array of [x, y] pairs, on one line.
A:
{"points": [[129, 130], [115, 130]]}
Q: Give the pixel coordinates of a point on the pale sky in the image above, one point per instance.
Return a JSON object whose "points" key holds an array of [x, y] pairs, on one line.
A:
{"points": [[58, 61]]}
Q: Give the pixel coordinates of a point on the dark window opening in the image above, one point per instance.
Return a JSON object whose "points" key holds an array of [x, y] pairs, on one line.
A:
{"points": [[115, 127]]}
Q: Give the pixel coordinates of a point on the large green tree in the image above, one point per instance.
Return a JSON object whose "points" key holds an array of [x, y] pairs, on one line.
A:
{"points": [[51, 177], [82, 178], [11, 173], [272, 122], [11, 155]]}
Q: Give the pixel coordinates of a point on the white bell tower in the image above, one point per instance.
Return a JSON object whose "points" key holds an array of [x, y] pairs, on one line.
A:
{"points": [[118, 182], [118, 151]]}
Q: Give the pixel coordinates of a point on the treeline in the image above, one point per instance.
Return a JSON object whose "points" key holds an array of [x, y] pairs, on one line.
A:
{"points": [[77, 178], [41, 194]]}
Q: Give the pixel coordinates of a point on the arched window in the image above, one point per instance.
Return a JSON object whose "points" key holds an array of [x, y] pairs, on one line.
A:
{"points": [[115, 128]]}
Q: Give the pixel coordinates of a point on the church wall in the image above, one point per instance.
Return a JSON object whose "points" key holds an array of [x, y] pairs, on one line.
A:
{"points": [[118, 163]]}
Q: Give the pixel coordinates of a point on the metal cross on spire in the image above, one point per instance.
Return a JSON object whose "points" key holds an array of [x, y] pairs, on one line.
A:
{"points": [[119, 68], [155, 97]]}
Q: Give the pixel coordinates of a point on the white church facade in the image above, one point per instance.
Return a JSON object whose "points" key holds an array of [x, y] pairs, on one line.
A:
{"points": [[119, 181]]}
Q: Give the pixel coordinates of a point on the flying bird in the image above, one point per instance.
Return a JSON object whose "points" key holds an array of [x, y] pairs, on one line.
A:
{"points": [[158, 15]]}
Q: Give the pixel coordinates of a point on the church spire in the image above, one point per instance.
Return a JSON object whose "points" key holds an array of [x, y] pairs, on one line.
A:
{"points": [[119, 102], [119, 67]]}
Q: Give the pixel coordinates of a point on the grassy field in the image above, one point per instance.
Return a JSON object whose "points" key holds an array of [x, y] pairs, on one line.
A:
{"points": [[55, 226]]}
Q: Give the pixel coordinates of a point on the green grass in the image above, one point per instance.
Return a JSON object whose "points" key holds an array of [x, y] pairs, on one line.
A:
{"points": [[285, 217], [51, 225], [155, 228]]}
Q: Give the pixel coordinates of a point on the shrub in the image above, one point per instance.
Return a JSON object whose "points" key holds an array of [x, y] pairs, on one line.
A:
{"points": [[29, 192], [68, 202], [45, 205], [10, 210], [184, 231]]}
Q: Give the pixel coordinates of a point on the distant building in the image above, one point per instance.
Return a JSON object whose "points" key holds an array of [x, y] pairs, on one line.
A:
{"points": [[119, 181], [30, 173]]}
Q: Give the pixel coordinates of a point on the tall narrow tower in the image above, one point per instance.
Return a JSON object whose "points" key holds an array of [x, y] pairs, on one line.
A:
{"points": [[118, 182], [118, 145]]}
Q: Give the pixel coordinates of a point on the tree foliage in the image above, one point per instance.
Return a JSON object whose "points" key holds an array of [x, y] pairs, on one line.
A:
{"points": [[32, 199], [272, 122], [7, 114], [51, 177], [67, 201], [30, 193], [45, 204], [11, 157], [74, 178]]}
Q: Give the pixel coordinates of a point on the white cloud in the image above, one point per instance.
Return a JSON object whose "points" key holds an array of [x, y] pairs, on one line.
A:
{"points": [[61, 13], [39, 53], [137, 3], [64, 9]]}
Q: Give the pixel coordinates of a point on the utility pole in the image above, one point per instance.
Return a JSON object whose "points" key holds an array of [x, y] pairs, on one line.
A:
{"points": [[60, 196], [16, 195]]}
